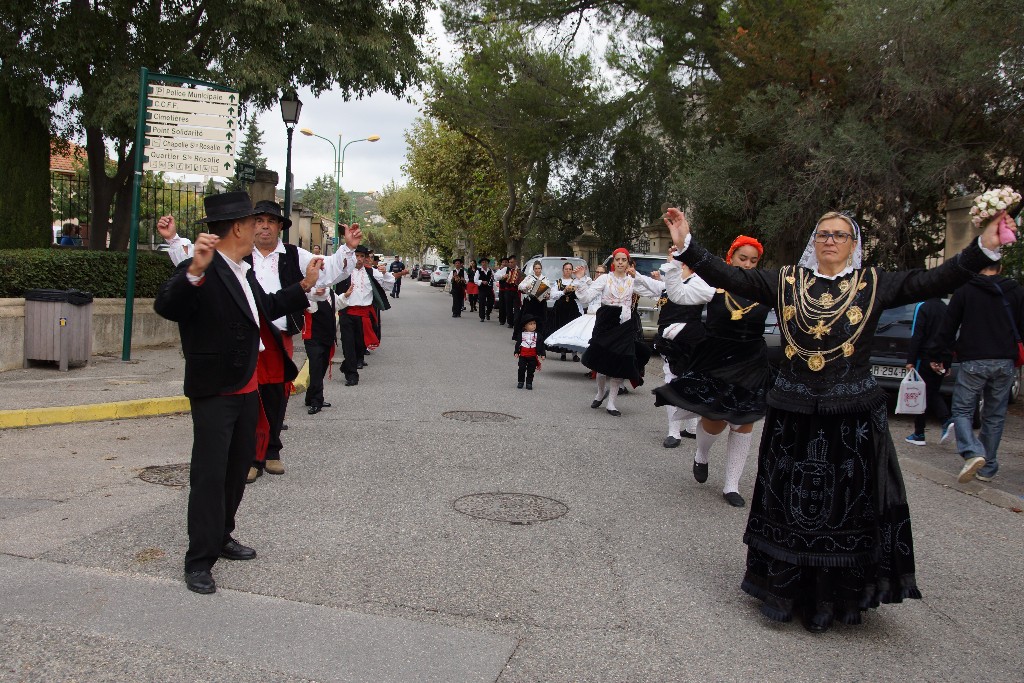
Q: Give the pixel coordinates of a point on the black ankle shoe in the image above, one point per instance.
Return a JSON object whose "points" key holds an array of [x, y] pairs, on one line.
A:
{"points": [[734, 499], [233, 550], [614, 413], [519, 385], [529, 385], [687, 435], [200, 582], [671, 442], [700, 471]]}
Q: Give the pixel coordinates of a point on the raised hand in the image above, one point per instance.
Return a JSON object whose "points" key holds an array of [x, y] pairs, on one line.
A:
{"points": [[166, 227], [316, 264], [353, 235], [579, 271], [351, 288], [996, 231], [202, 253], [678, 226]]}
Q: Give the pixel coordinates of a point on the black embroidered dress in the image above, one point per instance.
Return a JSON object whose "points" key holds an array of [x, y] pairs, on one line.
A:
{"points": [[829, 526], [727, 377]]}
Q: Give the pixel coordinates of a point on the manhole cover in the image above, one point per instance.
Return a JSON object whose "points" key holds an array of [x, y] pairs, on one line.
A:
{"points": [[478, 416], [514, 508], [168, 475]]}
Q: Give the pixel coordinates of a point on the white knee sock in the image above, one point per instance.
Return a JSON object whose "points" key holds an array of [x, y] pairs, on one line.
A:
{"points": [[600, 387], [613, 391], [689, 424], [737, 448], [704, 443], [674, 423]]}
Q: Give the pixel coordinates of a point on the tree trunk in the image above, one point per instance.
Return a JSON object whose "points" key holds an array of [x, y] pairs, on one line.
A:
{"points": [[24, 183], [101, 188]]}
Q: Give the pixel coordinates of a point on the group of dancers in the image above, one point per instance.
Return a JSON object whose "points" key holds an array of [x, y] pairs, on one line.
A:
{"points": [[828, 531]]}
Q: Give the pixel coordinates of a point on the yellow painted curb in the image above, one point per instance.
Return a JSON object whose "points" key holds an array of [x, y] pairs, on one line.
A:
{"points": [[119, 410]]}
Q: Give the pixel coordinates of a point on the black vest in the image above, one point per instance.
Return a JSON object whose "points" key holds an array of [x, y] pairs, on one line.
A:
{"points": [[289, 272], [324, 330], [672, 313], [486, 279]]}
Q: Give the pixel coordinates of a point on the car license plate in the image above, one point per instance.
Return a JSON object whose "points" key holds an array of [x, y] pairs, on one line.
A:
{"points": [[897, 371]]}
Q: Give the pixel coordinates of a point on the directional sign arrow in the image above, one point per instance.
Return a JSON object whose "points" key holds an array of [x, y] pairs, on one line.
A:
{"points": [[193, 94], [189, 107], [189, 132], [201, 120]]}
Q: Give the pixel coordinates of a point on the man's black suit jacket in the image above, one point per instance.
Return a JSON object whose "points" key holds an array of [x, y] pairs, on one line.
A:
{"points": [[218, 335]]}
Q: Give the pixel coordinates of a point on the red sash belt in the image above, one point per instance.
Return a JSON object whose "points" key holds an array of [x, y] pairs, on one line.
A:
{"points": [[369, 316]]}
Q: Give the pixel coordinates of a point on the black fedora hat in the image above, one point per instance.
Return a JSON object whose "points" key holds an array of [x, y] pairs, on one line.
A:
{"points": [[270, 208], [362, 249], [227, 206]]}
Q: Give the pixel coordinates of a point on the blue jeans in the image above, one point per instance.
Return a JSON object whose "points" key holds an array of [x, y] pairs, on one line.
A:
{"points": [[989, 379]]}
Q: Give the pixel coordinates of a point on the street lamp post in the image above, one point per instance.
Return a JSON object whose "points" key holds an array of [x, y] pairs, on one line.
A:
{"points": [[291, 107], [372, 138], [339, 172]]}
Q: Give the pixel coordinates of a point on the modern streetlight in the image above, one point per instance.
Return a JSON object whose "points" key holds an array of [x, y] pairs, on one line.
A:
{"points": [[339, 172], [372, 138], [291, 107]]}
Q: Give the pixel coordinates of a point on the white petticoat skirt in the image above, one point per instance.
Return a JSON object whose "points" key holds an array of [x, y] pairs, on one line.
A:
{"points": [[573, 336]]}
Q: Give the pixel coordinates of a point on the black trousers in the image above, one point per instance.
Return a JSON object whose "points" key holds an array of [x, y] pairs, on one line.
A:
{"points": [[508, 306], [319, 354], [458, 300], [527, 366], [486, 301], [935, 403], [274, 404], [350, 330], [223, 441], [396, 288]]}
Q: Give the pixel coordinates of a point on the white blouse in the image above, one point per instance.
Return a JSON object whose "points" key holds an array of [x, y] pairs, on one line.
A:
{"points": [[612, 290]]}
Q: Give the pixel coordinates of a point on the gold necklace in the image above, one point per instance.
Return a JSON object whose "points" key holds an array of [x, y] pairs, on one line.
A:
{"points": [[619, 291], [816, 359], [736, 312]]}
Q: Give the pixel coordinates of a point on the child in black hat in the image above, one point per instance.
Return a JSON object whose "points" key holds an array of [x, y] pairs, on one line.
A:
{"points": [[529, 351]]}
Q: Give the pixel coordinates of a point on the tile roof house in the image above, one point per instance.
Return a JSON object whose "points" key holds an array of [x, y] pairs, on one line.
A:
{"points": [[68, 162]]}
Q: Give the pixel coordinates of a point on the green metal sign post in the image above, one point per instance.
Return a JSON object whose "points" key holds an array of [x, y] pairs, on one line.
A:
{"points": [[203, 124]]}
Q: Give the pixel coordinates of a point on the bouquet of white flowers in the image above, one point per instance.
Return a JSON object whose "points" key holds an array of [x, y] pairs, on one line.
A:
{"points": [[988, 204]]}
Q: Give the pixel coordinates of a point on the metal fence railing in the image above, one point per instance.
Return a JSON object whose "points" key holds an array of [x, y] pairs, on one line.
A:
{"points": [[70, 207]]}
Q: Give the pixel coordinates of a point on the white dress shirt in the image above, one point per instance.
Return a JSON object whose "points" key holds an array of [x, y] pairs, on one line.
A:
{"points": [[239, 270]]}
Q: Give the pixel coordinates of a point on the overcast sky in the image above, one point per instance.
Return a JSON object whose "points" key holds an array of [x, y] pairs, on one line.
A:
{"points": [[368, 165]]}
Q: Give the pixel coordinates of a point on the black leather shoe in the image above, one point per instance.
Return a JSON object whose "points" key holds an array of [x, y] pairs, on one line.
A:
{"points": [[351, 382], [671, 442], [529, 385], [313, 410], [325, 404], [519, 385], [233, 550], [200, 582], [614, 413], [700, 471], [284, 427], [596, 403], [360, 365], [734, 499], [687, 435]]}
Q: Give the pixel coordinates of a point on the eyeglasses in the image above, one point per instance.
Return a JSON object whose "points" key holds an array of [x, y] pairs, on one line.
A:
{"points": [[837, 237]]}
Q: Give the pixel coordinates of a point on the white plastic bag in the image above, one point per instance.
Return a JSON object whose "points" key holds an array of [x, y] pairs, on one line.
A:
{"points": [[911, 398]]}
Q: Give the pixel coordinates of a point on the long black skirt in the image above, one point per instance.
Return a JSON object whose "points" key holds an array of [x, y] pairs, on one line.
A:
{"points": [[829, 526], [726, 379], [614, 350]]}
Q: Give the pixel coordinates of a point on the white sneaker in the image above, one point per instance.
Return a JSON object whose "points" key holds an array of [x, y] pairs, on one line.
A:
{"points": [[948, 433], [971, 466]]}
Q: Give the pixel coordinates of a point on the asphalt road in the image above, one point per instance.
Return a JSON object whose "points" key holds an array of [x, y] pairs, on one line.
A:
{"points": [[367, 572]]}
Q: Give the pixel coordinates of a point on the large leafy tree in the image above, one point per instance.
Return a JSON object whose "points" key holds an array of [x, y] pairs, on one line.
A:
{"points": [[89, 52], [413, 219], [529, 108], [319, 196]]}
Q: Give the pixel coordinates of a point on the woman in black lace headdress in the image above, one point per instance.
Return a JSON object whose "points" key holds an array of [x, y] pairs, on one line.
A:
{"points": [[829, 533]]}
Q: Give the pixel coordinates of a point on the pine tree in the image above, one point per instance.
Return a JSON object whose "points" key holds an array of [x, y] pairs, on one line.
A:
{"points": [[251, 152]]}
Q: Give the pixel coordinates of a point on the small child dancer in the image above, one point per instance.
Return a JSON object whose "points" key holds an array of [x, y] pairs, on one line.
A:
{"points": [[530, 351]]}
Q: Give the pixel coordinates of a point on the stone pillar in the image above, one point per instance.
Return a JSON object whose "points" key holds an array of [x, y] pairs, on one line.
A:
{"points": [[959, 230], [658, 237], [264, 188], [587, 247]]}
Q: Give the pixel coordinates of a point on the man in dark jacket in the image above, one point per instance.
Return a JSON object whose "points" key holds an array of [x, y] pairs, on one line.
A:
{"points": [[921, 355], [988, 312], [224, 316]]}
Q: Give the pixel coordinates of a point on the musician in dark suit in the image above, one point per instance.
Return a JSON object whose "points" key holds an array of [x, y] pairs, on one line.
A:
{"points": [[224, 317], [457, 281]]}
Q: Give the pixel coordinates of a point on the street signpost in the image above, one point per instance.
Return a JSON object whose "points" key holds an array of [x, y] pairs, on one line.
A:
{"points": [[183, 126], [245, 172]]}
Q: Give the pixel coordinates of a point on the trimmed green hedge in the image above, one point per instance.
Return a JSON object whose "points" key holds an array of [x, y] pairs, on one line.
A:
{"points": [[104, 273]]}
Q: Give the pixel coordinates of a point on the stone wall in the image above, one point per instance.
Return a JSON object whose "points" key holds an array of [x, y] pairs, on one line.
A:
{"points": [[148, 329]]}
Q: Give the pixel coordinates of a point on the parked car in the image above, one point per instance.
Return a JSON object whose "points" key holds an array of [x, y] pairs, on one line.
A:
{"points": [[551, 266], [647, 308], [425, 272], [439, 276]]}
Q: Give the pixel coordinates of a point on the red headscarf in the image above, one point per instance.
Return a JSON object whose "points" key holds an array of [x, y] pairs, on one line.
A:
{"points": [[743, 241], [621, 250]]}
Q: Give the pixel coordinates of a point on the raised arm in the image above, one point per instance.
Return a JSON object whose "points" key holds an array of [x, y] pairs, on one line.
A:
{"points": [[647, 286], [689, 292], [908, 286], [587, 292]]}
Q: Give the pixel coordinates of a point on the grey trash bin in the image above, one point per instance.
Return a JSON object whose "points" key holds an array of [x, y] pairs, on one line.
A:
{"points": [[58, 326]]}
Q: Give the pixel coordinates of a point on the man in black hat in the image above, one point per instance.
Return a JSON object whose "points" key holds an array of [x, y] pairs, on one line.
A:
{"points": [[277, 265], [484, 279], [224, 317], [508, 278], [363, 297], [457, 282]]}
